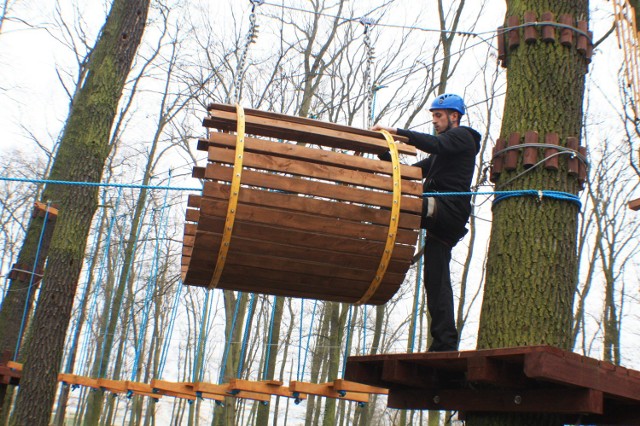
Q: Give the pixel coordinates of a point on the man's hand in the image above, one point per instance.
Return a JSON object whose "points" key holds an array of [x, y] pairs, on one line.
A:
{"points": [[391, 130]]}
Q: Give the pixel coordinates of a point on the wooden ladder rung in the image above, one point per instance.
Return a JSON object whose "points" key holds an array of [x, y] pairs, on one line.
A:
{"points": [[327, 390], [268, 387], [348, 386], [225, 390]]}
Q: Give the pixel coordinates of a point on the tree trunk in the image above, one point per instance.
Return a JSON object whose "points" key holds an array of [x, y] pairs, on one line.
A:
{"points": [[532, 264], [83, 151]]}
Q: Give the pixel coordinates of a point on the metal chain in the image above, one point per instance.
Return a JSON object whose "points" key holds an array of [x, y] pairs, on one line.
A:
{"points": [[368, 23], [251, 37]]}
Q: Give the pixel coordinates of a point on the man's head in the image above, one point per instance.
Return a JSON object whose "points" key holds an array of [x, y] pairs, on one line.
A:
{"points": [[446, 111]]}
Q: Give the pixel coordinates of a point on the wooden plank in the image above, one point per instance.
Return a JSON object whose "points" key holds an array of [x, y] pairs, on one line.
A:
{"points": [[563, 401], [315, 188], [312, 155], [14, 365], [298, 238], [634, 204], [331, 135], [315, 206], [303, 222], [300, 120], [264, 387], [349, 386], [176, 389], [225, 390], [207, 244], [481, 369], [74, 379], [114, 386], [571, 371], [315, 171], [327, 390], [138, 387]]}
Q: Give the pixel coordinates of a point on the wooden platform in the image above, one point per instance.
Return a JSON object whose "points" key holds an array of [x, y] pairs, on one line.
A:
{"points": [[539, 379], [312, 219]]}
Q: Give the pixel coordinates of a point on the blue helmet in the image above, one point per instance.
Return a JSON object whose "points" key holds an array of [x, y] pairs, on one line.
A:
{"points": [[449, 101]]}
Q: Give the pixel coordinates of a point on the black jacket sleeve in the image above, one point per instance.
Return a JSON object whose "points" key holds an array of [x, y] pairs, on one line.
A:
{"points": [[450, 142]]}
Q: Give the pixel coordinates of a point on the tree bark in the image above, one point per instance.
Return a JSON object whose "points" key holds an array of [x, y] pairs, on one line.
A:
{"points": [[532, 263], [83, 151]]}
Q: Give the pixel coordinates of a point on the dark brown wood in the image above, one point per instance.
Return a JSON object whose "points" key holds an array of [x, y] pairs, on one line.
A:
{"points": [[316, 171], [551, 162], [373, 143], [583, 40], [582, 167], [316, 188], [311, 155], [539, 379], [511, 156], [502, 50], [589, 47], [530, 32], [513, 35], [498, 160], [566, 34], [530, 156], [548, 31], [572, 162], [634, 204], [313, 206]]}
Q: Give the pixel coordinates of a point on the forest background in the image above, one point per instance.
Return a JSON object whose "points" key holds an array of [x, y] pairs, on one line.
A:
{"points": [[309, 58]]}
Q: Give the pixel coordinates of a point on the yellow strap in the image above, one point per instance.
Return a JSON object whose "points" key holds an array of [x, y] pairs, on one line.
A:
{"points": [[233, 199], [393, 225]]}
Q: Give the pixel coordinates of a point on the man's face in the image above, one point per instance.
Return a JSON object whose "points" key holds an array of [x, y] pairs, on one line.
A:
{"points": [[442, 119]]}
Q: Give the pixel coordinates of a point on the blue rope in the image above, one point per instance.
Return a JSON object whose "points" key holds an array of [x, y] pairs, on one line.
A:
{"points": [[417, 303], [364, 329], [208, 330], [98, 184], [167, 341], [230, 335], [502, 195], [265, 373], [306, 351], [300, 338], [153, 280], [347, 343], [201, 340], [245, 337], [31, 280]]}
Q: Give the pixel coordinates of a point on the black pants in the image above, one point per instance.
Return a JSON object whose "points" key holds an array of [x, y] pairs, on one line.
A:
{"points": [[444, 230], [437, 281]]}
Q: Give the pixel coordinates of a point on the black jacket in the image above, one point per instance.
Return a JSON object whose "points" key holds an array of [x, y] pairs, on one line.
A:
{"points": [[449, 168]]}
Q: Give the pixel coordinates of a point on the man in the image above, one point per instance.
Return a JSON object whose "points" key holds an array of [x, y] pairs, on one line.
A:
{"points": [[449, 168]]}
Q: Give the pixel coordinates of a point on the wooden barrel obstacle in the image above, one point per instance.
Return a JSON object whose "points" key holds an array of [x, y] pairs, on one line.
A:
{"points": [[296, 210]]}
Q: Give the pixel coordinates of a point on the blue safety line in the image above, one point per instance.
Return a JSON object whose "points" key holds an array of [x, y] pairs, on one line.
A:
{"points": [[31, 280], [347, 342], [502, 195], [97, 184], [306, 351], [364, 330], [417, 298], [245, 337], [300, 339], [152, 282], [229, 336], [200, 344], [167, 341], [265, 372]]}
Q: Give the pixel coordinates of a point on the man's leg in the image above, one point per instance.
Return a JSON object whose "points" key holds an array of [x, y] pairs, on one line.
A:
{"points": [[437, 256]]}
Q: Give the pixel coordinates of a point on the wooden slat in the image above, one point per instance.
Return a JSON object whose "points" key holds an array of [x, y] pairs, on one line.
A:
{"points": [[14, 365], [314, 206], [634, 204], [304, 222], [224, 390], [335, 137], [349, 386], [560, 401], [315, 171], [299, 120], [327, 390], [74, 379], [577, 372], [301, 238], [312, 155], [115, 386], [327, 258], [315, 188], [264, 387]]}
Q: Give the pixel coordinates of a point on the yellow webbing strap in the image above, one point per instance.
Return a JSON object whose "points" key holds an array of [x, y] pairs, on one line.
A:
{"points": [[393, 224], [233, 199]]}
